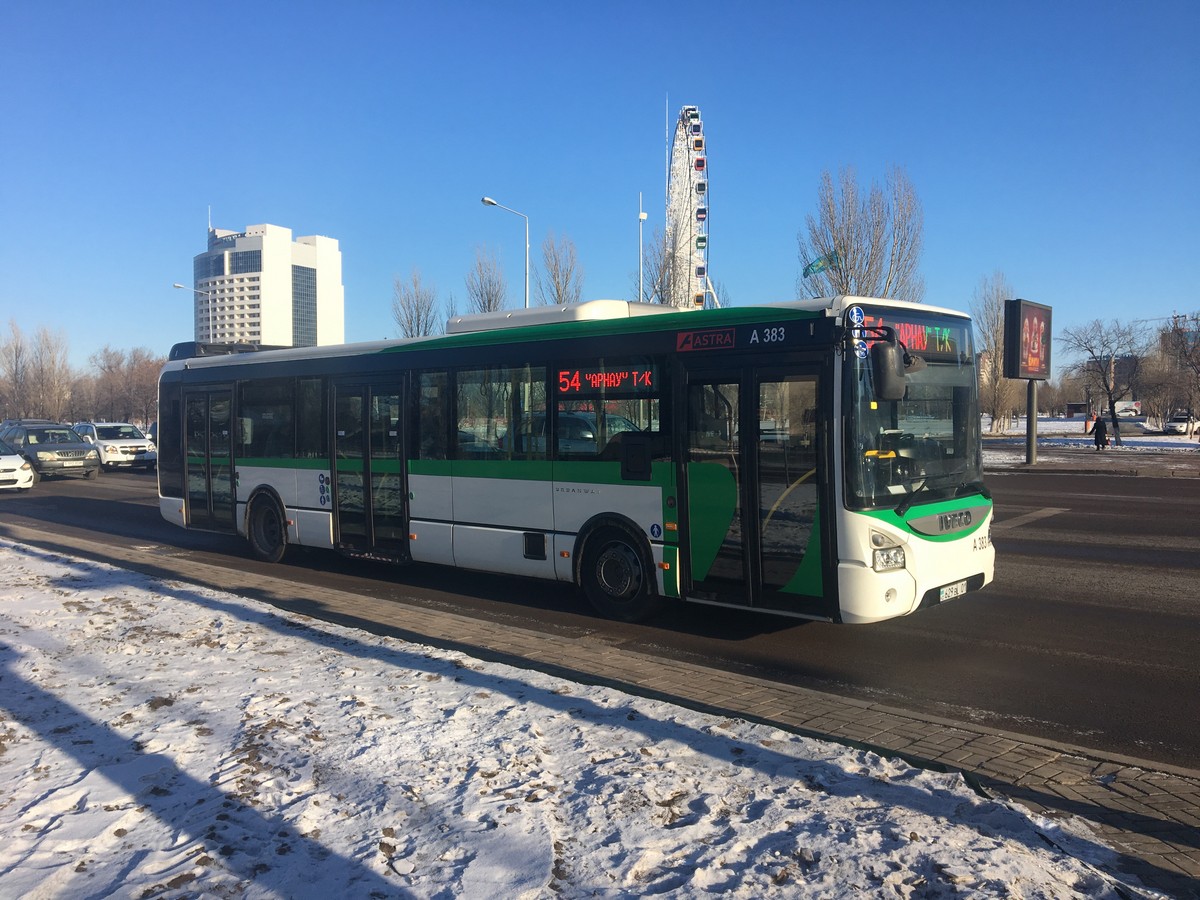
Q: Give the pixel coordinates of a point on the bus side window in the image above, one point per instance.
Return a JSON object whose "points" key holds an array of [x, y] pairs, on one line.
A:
{"points": [[312, 435], [433, 411], [265, 425], [492, 406]]}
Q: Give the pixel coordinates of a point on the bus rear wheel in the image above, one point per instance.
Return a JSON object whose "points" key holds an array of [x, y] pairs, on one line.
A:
{"points": [[266, 532], [616, 576]]}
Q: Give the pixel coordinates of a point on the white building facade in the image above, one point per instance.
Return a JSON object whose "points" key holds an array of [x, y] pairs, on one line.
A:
{"points": [[259, 286]]}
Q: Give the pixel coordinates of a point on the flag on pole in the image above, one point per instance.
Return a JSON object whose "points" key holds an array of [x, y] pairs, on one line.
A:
{"points": [[820, 265]]}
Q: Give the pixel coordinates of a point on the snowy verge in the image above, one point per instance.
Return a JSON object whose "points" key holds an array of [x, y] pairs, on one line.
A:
{"points": [[160, 739]]}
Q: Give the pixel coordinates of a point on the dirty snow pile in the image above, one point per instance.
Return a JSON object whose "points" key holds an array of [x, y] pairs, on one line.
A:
{"points": [[159, 739]]}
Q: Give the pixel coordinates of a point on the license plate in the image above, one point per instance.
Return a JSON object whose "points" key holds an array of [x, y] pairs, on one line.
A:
{"points": [[950, 591], [72, 463]]}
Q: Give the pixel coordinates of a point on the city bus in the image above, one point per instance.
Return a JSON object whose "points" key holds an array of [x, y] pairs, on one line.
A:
{"points": [[818, 459]]}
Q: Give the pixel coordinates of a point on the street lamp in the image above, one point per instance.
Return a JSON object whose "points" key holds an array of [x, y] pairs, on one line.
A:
{"points": [[208, 294], [488, 201]]}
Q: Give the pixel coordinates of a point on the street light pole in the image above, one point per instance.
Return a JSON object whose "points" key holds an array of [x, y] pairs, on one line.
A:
{"points": [[488, 201], [207, 294], [641, 265]]}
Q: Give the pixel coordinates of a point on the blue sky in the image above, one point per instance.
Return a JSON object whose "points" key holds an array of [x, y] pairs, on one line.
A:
{"points": [[1056, 142]]}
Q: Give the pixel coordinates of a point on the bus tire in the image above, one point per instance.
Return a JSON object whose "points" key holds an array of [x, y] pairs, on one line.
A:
{"points": [[616, 576], [265, 529]]}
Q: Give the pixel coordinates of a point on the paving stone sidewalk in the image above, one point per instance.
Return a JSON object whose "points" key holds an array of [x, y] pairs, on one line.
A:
{"points": [[1148, 812]]}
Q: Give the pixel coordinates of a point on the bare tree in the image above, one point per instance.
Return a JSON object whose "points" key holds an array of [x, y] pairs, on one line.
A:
{"points": [[486, 288], [142, 370], [109, 394], [1181, 344], [14, 374], [1112, 357], [562, 281], [721, 294], [998, 395], [656, 270], [50, 374], [863, 244], [414, 306]]}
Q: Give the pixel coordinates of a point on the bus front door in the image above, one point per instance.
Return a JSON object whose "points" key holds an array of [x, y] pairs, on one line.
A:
{"points": [[207, 444], [753, 476], [370, 500]]}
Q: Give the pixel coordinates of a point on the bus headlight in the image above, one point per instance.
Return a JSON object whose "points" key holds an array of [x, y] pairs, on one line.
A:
{"points": [[888, 554], [891, 558]]}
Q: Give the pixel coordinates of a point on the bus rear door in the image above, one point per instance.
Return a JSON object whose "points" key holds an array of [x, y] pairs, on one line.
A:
{"points": [[370, 497], [208, 460]]}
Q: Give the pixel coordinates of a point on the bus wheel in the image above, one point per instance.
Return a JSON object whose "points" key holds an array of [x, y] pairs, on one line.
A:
{"points": [[616, 577], [268, 538]]}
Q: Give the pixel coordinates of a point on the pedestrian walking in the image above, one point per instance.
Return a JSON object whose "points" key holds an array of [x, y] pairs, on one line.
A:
{"points": [[1100, 433]]}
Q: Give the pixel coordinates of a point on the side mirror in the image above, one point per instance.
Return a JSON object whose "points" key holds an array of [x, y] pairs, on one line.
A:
{"points": [[887, 370]]}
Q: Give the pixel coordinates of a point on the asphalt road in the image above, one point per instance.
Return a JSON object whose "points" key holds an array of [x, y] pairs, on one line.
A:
{"points": [[1089, 634]]}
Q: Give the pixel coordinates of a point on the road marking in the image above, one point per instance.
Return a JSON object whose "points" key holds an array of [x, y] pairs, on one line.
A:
{"points": [[1043, 513]]}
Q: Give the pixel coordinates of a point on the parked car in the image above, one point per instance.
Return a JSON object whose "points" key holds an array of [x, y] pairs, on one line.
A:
{"points": [[16, 472], [53, 450], [1179, 424], [120, 445]]}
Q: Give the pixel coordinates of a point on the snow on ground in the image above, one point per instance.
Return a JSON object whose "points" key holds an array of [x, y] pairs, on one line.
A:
{"points": [[158, 739], [1054, 435]]}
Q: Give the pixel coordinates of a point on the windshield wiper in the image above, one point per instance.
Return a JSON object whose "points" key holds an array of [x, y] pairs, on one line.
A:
{"points": [[908, 500], [935, 477]]}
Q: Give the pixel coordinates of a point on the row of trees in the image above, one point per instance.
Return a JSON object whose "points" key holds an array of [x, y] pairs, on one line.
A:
{"points": [[1154, 361], [866, 241], [417, 311], [36, 380]]}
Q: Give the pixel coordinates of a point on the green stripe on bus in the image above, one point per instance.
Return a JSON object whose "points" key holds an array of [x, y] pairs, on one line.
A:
{"points": [[671, 575], [264, 462], [661, 474], [932, 509], [808, 578], [712, 502]]}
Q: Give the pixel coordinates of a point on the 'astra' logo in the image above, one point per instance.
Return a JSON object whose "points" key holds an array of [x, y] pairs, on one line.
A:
{"points": [[717, 339]]}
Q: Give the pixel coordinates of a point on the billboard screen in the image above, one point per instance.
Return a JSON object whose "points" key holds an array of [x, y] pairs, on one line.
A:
{"points": [[1027, 337]]}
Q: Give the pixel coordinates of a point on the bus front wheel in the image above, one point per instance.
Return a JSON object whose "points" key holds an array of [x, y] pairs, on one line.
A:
{"points": [[268, 537], [616, 576]]}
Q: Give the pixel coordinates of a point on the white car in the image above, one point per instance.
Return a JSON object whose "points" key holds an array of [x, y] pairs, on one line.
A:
{"points": [[15, 470], [120, 445], [1178, 425]]}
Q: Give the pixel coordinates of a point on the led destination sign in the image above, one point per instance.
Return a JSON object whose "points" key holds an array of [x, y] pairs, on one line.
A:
{"points": [[642, 380], [927, 336]]}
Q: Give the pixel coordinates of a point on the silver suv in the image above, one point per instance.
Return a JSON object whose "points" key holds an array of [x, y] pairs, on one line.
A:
{"points": [[120, 445]]}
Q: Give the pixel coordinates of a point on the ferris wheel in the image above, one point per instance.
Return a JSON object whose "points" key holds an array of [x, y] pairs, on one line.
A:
{"points": [[688, 285]]}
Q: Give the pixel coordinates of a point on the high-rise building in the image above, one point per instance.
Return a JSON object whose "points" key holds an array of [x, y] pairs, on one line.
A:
{"points": [[258, 286]]}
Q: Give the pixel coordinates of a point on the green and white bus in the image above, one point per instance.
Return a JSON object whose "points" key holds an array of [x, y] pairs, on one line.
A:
{"points": [[818, 459]]}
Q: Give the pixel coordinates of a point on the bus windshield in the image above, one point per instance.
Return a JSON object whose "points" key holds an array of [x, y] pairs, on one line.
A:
{"points": [[925, 447]]}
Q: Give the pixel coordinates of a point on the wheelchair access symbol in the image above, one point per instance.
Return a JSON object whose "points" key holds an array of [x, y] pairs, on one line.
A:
{"points": [[856, 316]]}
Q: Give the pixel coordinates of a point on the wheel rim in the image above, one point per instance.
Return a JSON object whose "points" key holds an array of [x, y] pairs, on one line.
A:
{"points": [[267, 528], [619, 572]]}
